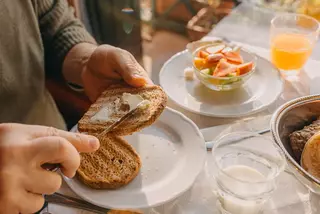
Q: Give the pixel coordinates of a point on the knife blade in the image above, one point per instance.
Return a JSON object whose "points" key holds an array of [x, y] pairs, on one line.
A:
{"points": [[120, 120], [55, 167], [210, 144]]}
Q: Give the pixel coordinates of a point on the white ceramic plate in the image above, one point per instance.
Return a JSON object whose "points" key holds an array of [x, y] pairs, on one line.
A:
{"points": [[172, 151], [264, 87]]}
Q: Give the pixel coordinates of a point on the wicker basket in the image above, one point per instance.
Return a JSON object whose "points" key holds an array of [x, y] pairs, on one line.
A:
{"points": [[202, 23]]}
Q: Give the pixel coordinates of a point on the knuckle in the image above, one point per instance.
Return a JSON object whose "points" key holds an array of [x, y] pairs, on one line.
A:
{"points": [[80, 137], [62, 146], [132, 65], [126, 53], [51, 131], [104, 50]]}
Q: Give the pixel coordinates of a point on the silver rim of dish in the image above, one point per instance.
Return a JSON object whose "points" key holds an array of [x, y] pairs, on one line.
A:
{"points": [[275, 124]]}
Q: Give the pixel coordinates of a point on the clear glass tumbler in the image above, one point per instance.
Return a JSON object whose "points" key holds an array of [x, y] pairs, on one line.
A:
{"points": [[244, 166], [292, 38]]}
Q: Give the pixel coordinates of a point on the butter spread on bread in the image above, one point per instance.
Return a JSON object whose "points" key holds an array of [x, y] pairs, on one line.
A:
{"points": [[116, 163], [112, 100], [133, 100], [111, 110]]}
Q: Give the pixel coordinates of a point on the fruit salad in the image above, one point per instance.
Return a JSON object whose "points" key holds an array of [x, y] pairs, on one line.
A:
{"points": [[220, 65], [222, 61]]}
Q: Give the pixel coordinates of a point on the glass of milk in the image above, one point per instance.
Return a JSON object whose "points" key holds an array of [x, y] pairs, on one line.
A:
{"points": [[244, 166]]}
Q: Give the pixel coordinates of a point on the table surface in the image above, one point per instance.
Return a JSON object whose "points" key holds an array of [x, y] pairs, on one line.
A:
{"points": [[250, 25], [239, 27], [292, 90]]}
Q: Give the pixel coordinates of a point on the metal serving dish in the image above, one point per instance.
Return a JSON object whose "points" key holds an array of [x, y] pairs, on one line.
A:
{"points": [[290, 117]]}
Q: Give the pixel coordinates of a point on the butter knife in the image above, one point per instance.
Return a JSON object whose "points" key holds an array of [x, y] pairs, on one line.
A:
{"points": [[120, 120], [210, 144], [58, 198], [55, 167]]}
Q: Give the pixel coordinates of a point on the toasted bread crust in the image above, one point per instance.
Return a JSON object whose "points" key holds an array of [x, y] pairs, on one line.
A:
{"points": [[98, 170], [89, 178], [135, 123]]}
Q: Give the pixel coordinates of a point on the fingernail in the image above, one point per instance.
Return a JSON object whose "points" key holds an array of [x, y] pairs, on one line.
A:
{"points": [[94, 142], [149, 82], [137, 76]]}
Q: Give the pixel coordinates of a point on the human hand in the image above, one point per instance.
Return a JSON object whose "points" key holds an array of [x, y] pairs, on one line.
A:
{"points": [[23, 151], [108, 65]]}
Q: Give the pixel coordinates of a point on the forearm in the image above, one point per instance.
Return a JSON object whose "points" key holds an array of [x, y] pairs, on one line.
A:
{"points": [[75, 61], [60, 32]]}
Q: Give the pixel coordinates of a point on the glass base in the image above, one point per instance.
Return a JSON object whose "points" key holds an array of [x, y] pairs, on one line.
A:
{"points": [[290, 75], [224, 210]]}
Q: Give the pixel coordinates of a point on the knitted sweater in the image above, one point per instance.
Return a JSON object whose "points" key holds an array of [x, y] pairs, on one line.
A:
{"points": [[35, 37]]}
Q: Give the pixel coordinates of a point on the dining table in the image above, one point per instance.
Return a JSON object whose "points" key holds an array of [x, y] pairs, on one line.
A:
{"points": [[248, 26]]}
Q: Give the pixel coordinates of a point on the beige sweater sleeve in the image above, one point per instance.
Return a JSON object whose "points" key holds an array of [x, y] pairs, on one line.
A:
{"points": [[60, 31]]}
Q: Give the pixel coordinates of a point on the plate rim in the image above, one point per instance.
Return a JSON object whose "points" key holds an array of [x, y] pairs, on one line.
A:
{"points": [[172, 196], [262, 108]]}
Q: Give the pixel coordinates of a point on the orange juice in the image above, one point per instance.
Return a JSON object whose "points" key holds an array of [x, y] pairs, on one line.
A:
{"points": [[290, 51]]}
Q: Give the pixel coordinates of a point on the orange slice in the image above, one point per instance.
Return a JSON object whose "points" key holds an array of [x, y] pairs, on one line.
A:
{"points": [[215, 49], [233, 57], [224, 68], [199, 63], [245, 68], [203, 54]]}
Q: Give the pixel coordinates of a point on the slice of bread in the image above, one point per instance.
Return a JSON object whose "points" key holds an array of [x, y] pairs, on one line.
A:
{"points": [[139, 120], [310, 158], [113, 165]]}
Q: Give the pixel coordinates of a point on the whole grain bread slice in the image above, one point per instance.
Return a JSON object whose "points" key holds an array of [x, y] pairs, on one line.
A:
{"points": [[299, 138], [112, 166], [139, 120]]}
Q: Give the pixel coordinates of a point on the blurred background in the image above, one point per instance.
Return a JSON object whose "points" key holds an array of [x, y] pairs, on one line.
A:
{"points": [[153, 31]]}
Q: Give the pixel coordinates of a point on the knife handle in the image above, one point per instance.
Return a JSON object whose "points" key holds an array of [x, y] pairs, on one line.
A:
{"points": [[51, 166], [58, 198]]}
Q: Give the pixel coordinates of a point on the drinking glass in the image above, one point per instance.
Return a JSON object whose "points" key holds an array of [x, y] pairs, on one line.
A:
{"points": [[244, 167], [292, 39]]}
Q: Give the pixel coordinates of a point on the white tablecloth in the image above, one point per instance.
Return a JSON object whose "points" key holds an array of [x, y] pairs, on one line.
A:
{"points": [[290, 198]]}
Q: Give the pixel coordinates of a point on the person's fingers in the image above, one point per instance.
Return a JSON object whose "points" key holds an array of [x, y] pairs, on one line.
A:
{"points": [[115, 63], [43, 182], [30, 203], [82, 142], [56, 150], [100, 61], [131, 71]]}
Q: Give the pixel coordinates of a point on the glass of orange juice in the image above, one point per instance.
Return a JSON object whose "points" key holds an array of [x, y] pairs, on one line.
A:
{"points": [[292, 39]]}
